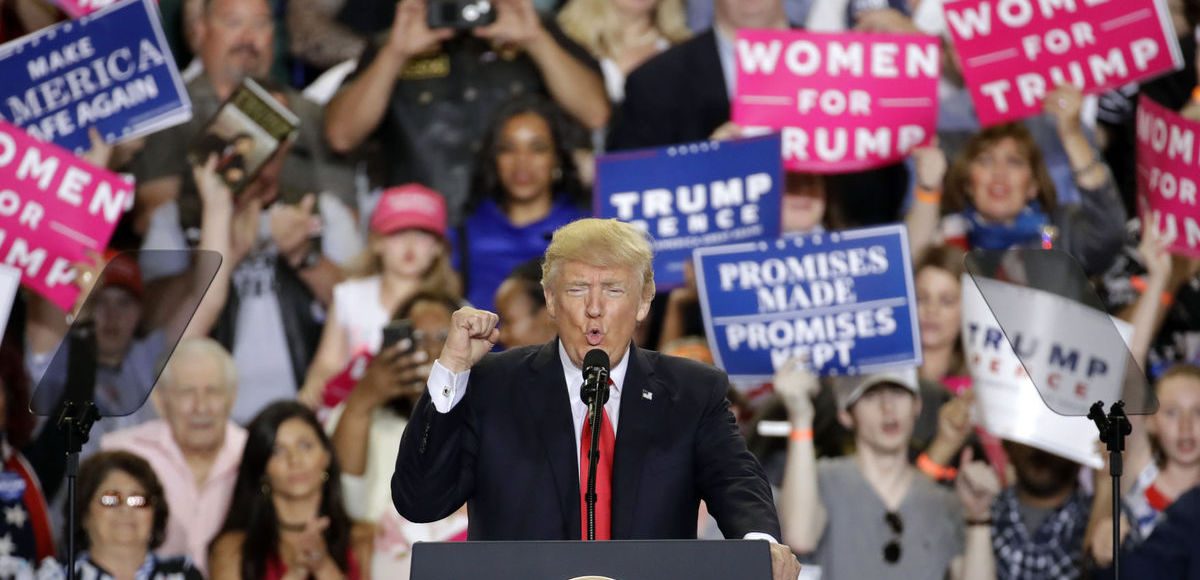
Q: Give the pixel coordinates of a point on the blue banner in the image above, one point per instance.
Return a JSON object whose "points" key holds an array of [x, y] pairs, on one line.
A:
{"points": [[111, 69], [693, 195], [845, 300]]}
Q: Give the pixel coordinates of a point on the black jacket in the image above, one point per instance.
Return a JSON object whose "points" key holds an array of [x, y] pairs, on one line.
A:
{"points": [[508, 450]]}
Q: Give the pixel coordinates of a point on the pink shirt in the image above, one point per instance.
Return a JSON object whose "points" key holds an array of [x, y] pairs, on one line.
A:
{"points": [[196, 512]]}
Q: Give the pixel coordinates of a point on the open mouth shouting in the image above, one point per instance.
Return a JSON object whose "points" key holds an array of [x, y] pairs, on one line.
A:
{"points": [[594, 336]]}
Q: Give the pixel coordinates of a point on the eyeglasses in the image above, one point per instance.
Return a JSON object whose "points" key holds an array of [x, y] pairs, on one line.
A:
{"points": [[891, 550], [112, 499]]}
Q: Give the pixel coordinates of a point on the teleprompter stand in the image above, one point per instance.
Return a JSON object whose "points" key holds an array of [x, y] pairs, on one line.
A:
{"points": [[1114, 427]]}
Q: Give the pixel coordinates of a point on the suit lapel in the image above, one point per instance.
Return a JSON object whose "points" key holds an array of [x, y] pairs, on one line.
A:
{"points": [[645, 404], [550, 411]]}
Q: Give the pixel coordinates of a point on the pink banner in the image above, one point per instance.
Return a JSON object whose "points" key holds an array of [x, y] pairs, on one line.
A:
{"points": [[1168, 166], [54, 208], [1014, 52], [844, 102], [77, 8]]}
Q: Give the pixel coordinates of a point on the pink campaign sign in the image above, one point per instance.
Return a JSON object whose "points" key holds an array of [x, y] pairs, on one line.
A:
{"points": [[843, 102], [1013, 52], [1168, 166], [54, 208], [77, 8]]}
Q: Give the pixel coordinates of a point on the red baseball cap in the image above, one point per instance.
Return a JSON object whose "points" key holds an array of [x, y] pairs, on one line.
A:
{"points": [[409, 206], [123, 271]]}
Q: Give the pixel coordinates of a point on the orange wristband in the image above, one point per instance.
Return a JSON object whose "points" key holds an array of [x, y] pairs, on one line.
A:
{"points": [[931, 196], [935, 471], [1139, 283], [801, 435], [1196, 93]]}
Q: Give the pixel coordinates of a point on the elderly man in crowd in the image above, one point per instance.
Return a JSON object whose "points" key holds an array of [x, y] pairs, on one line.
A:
{"points": [[194, 449]]}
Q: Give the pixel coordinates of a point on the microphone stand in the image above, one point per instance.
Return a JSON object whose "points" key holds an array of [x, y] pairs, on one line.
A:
{"points": [[595, 394], [77, 413], [1113, 428]]}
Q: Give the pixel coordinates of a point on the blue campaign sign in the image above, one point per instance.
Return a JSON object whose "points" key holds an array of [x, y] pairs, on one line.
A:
{"points": [[110, 69], [845, 300], [693, 195]]}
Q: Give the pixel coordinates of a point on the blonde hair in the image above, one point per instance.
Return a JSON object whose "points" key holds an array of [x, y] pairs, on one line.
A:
{"points": [[593, 24], [603, 243], [192, 347], [440, 275]]}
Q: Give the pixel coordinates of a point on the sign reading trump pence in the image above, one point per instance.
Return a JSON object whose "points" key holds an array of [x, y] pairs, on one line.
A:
{"points": [[1168, 166], [844, 301], [1014, 52], [1051, 359], [110, 69], [844, 102], [693, 195]]}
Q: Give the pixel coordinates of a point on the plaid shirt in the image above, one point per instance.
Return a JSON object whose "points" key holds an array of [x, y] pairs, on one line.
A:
{"points": [[1053, 551]]}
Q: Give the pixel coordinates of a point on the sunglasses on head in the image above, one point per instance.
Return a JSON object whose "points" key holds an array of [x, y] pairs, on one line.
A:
{"points": [[891, 550], [112, 499]]}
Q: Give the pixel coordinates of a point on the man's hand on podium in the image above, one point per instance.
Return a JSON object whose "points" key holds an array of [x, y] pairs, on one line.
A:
{"points": [[784, 565]]}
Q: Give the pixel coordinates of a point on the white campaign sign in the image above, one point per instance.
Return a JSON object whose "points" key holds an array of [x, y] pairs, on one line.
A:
{"points": [[1053, 336]]}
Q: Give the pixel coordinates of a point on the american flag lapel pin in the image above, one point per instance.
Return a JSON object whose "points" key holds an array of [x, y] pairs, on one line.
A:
{"points": [[647, 395]]}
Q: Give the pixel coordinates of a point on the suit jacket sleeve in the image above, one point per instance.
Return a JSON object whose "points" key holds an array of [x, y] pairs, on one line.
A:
{"points": [[732, 482], [435, 466]]}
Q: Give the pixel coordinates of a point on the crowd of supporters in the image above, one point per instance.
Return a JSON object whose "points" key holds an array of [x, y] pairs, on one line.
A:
{"points": [[432, 167]]}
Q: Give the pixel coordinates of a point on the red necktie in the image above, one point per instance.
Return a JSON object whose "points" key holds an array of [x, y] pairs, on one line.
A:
{"points": [[603, 477]]}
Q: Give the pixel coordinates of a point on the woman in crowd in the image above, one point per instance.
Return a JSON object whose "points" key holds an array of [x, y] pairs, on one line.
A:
{"points": [[943, 372], [121, 518], [938, 278], [1001, 195], [526, 186], [407, 253], [366, 431], [622, 34], [287, 519]]}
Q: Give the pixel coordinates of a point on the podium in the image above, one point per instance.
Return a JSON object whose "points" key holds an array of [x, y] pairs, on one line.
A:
{"points": [[618, 560]]}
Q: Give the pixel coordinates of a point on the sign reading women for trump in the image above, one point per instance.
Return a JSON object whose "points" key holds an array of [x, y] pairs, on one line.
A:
{"points": [[1168, 166], [1014, 52], [844, 301], [844, 102], [1059, 342], [111, 70], [693, 195], [54, 209]]}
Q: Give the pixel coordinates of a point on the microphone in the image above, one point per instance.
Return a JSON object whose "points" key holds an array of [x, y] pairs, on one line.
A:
{"points": [[594, 393], [595, 377]]}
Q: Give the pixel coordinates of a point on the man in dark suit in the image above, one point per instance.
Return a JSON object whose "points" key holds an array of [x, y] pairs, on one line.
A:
{"points": [[684, 93], [504, 432]]}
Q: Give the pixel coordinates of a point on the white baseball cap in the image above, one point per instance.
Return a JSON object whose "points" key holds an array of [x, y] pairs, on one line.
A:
{"points": [[850, 388]]}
